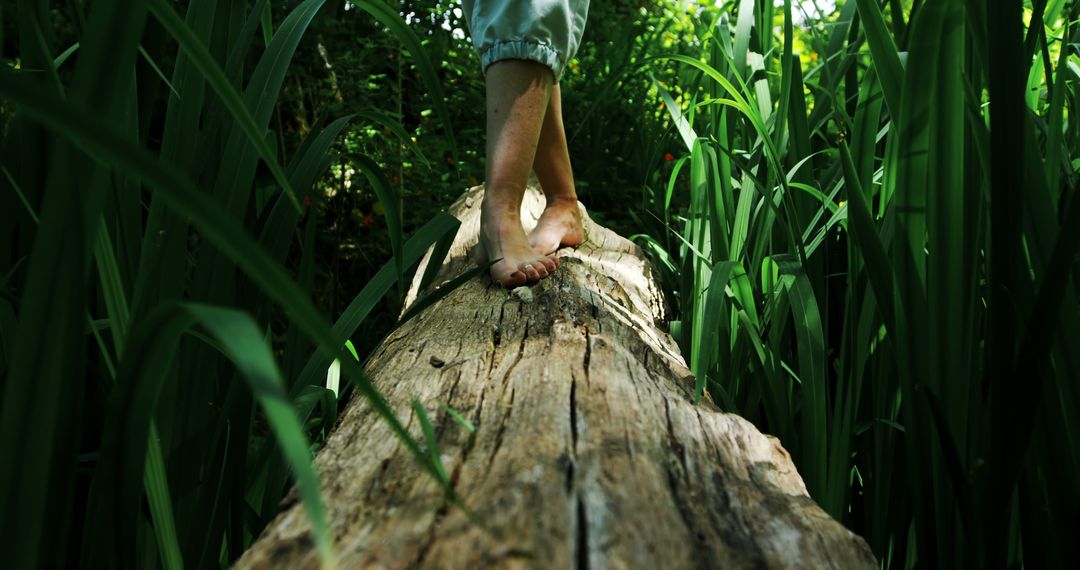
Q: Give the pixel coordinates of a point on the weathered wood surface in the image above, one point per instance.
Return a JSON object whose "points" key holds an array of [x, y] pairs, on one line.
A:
{"points": [[588, 451]]}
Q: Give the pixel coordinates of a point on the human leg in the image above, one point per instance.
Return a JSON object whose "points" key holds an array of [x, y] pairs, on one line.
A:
{"points": [[561, 223], [518, 93]]}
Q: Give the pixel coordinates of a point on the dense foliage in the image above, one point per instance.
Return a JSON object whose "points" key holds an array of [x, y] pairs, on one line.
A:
{"points": [[877, 263], [863, 217]]}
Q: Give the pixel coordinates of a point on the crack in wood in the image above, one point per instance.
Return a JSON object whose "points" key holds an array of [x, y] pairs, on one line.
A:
{"points": [[637, 386], [581, 542], [479, 407], [496, 331], [692, 489], [586, 361], [676, 445], [502, 429], [573, 416], [448, 400], [519, 356]]}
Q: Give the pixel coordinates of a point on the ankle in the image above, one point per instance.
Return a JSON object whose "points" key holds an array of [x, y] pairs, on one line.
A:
{"points": [[499, 209], [568, 200]]}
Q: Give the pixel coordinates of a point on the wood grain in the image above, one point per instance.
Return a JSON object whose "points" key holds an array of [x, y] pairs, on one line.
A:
{"points": [[588, 451]]}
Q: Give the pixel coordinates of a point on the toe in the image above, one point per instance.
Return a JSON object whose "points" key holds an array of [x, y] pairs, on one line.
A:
{"points": [[508, 280], [515, 279], [550, 264], [532, 273]]}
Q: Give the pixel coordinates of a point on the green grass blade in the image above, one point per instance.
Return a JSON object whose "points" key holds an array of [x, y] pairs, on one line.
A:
{"points": [[117, 487], [383, 120], [741, 226], [740, 103], [219, 82], [102, 142], [810, 340], [41, 405], [442, 291], [457, 416], [243, 42], [711, 339], [868, 241], [266, 24], [435, 262], [886, 59], [786, 61], [686, 131], [1055, 148], [161, 75], [431, 441], [743, 24], [64, 55], [397, 26], [661, 258], [376, 288], [18, 192], [112, 288], [277, 232], [242, 341], [389, 200], [160, 503], [799, 144]]}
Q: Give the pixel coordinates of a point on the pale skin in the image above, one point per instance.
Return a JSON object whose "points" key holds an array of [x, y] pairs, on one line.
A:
{"points": [[525, 131]]}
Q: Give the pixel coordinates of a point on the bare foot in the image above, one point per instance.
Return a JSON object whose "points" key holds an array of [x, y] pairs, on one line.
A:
{"points": [[559, 226], [501, 236]]}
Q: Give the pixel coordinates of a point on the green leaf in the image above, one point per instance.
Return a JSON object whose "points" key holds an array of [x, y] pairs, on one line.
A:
{"points": [[810, 339], [388, 198], [383, 120], [154, 66], [242, 341], [886, 59], [442, 291], [309, 163], [112, 287], [376, 288], [868, 240], [709, 341], [742, 35], [219, 82], [266, 23], [431, 440], [404, 34], [686, 131], [160, 503], [102, 142], [457, 416]]}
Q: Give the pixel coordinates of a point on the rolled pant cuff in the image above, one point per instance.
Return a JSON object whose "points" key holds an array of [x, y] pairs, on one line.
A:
{"points": [[523, 49]]}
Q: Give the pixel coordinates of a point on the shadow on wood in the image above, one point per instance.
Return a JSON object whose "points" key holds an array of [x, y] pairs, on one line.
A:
{"points": [[588, 452]]}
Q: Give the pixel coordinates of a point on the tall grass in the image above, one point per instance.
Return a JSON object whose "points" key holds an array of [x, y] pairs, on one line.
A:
{"points": [[875, 260], [871, 246], [145, 419]]}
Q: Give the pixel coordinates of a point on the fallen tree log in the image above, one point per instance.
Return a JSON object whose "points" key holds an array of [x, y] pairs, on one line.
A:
{"points": [[588, 451]]}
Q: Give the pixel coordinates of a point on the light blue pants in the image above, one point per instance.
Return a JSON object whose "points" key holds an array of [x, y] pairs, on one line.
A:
{"points": [[545, 31]]}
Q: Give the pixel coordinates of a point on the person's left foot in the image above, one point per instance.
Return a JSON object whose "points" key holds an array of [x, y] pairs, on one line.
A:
{"points": [[559, 226], [501, 237]]}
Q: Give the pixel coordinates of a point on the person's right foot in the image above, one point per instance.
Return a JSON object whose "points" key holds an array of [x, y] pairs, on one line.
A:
{"points": [[501, 236], [560, 225]]}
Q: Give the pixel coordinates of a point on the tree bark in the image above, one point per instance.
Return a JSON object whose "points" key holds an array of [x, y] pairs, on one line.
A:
{"points": [[588, 451]]}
